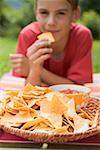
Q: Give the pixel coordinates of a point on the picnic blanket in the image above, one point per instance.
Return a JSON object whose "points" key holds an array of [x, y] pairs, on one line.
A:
{"points": [[10, 82]]}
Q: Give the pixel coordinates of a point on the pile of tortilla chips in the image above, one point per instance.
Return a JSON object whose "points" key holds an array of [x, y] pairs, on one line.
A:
{"points": [[38, 108]]}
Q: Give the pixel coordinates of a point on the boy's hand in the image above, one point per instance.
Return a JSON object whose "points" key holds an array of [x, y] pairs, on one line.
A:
{"points": [[20, 64], [38, 53]]}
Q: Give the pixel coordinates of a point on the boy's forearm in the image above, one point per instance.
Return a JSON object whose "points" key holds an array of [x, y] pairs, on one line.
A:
{"points": [[33, 78], [51, 78]]}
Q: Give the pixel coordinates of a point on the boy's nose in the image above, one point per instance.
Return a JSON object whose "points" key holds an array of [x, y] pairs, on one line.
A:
{"points": [[51, 20]]}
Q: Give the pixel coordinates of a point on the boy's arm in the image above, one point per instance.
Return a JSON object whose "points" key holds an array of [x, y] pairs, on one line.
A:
{"points": [[51, 78], [34, 77]]}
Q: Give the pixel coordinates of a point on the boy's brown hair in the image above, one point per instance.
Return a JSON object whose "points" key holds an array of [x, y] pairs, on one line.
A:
{"points": [[74, 3]]}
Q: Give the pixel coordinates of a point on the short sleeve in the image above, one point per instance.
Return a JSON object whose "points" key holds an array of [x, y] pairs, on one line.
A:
{"points": [[23, 43]]}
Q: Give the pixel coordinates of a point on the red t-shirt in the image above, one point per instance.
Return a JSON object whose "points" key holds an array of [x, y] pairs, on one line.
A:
{"points": [[76, 62]]}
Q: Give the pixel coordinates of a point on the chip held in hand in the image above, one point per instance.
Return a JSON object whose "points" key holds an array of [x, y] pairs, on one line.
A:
{"points": [[46, 35]]}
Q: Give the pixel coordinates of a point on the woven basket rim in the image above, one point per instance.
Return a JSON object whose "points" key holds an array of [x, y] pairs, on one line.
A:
{"points": [[38, 137]]}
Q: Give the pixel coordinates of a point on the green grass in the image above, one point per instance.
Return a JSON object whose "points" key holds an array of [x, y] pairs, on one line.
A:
{"points": [[8, 46], [96, 56]]}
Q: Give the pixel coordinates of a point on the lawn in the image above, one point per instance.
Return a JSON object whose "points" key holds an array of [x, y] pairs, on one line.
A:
{"points": [[96, 56], [8, 46]]}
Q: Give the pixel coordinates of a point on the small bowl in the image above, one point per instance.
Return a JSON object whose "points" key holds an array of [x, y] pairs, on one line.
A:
{"points": [[78, 97]]}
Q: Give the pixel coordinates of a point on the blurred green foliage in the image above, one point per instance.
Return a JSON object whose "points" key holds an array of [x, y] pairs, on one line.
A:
{"points": [[13, 20], [92, 20], [87, 5], [3, 16]]}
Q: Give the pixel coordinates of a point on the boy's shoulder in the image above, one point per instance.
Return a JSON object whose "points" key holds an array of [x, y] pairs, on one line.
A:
{"points": [[80, 29], [31, 28], [80, 32]]}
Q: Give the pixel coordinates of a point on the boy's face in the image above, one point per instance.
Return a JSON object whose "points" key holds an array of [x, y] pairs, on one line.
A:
{"points": [[55, 16]]}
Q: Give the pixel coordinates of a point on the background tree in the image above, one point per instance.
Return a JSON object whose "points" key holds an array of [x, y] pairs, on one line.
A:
{"points": [[91, 16], [87, 5], [14, 19], [3, 18]]}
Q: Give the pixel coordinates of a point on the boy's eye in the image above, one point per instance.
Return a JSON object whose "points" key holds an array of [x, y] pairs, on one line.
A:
{"points": [[61, 13], [44, 12]]}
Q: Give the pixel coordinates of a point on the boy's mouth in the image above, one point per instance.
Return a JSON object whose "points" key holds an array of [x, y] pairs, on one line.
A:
{"points": [[53, 31]]}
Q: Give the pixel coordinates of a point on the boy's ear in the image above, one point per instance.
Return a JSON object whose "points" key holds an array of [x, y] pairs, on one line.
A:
{"points": [[76, 14]]}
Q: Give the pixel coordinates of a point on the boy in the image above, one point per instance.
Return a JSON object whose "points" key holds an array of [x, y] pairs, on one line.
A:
{"points": [[68, 59]]}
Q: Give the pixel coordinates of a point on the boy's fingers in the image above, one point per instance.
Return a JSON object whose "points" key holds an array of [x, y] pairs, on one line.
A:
{"points": [[13, 56], [37, 45], [17, 60], [41, 59], [40, 52], [17, 65]]}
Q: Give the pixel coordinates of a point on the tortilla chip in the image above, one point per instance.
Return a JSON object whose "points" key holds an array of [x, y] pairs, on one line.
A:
{"points": [[45, 106], [58, 102], [7, 117], [47, 35], [57, 106], [28, 87], [32, 103], [18, 104], [81, 124], [12, 93], [29, 124], [18, 118], [54, 119], [71, 108], [63, 129]]}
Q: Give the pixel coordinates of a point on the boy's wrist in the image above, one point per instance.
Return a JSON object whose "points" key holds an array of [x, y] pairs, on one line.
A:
{"points": [[34, 77]]}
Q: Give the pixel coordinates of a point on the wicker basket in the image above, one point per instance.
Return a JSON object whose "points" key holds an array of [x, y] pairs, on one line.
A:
{"points": [[48, 137]]}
